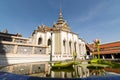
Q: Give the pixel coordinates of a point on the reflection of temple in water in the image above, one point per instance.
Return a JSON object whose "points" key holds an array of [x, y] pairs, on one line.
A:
{"points": [[40, 69], [43, 70], [79, 72]]}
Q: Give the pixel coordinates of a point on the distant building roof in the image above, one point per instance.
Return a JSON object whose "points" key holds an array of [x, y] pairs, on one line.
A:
{"points": [[108, 48], [7, 34]]}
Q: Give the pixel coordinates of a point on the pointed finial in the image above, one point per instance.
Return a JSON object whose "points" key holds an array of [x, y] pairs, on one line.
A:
{"points": [[42, 23], [60, 10], [60, 19]]}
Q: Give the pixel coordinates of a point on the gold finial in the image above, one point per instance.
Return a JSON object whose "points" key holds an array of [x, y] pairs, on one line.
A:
{"points": [[60, 15]]}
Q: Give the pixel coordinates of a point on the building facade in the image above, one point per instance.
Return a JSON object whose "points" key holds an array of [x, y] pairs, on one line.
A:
{"points": [[109, 51], [61, 41], [15, 49]]}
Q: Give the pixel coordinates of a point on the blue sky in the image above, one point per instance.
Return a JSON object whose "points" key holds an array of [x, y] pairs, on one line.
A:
{"points": [[91, 19]]}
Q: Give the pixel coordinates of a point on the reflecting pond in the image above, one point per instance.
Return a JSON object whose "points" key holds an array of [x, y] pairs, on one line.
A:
{"points": [[42, 69]]}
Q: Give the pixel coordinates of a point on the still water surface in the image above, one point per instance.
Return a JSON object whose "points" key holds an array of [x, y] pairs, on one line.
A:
{"points": [[42, 69]]}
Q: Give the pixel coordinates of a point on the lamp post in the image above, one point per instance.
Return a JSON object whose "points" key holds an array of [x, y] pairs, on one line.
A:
{"points": [[51, 47], [97, 44]]}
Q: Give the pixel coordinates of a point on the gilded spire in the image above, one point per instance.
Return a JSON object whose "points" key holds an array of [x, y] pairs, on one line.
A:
{"points": [[61, 24], [60, 19]]}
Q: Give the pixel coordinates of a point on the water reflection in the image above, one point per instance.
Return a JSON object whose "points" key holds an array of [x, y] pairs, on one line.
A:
{"points": [[27, 69], [63, 73], [42, 69], [100, 72], [76, 72]]}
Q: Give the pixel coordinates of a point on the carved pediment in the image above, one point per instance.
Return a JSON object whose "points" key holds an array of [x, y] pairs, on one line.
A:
{"points": [[43, 28]]}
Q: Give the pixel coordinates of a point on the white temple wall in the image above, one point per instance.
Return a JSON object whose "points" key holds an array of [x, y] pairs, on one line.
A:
{"points": [[48, 36], [53, 43], [40, 35], [64, 50], [70, 37], [73, 38], [64, 38]]}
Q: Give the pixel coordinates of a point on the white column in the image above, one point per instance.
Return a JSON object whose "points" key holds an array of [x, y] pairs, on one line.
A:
{"points": [[103, 56], [112, 56]]}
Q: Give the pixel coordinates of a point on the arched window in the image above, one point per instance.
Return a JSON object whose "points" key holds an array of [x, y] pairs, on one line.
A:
{"points": [[40, 41], [49, 42], [75, 46], [80, 48], [70, 47], [49, 45], [64, 42], [64, 46]]}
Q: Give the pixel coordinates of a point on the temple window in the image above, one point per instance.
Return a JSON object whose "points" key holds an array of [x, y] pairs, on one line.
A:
{"points": [[49, 45], [64, 46], [40, 41], [80, 48], [75, 46], [70, 46], [49, 42]]}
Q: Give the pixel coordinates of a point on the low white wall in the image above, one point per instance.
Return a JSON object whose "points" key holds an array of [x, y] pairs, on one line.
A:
{"points": [[9, 59]]}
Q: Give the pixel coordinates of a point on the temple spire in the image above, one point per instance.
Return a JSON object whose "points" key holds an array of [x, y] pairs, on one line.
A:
{"points": [[61, 23], [61, 11], [60, 19]]}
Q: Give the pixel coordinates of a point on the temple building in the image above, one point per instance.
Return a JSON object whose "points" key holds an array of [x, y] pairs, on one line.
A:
{"points": [[55, 43], [60, 39]]}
